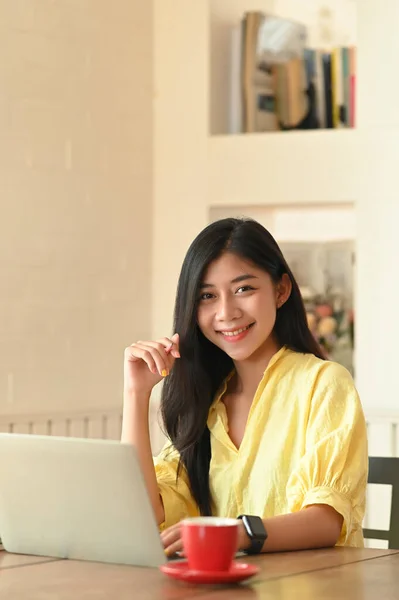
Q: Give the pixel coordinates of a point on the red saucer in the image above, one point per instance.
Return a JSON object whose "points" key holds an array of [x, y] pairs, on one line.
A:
{"points": [[239, 571]]}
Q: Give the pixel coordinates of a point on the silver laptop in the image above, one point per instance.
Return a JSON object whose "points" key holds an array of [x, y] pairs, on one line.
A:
{"points": [[76, 498]]}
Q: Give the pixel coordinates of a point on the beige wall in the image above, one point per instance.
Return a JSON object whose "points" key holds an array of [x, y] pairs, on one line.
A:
{"points": [[181, 144], [76, 89]]}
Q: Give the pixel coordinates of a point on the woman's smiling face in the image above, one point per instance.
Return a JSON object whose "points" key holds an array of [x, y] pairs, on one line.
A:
{"points": [[237, 306]]}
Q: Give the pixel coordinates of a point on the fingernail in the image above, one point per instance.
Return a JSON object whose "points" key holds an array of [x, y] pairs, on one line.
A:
{"points": [[164, 373], [169, 348]]}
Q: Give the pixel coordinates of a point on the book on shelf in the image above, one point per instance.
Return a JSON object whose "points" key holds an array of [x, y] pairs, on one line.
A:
{"points": [[279, 83]]}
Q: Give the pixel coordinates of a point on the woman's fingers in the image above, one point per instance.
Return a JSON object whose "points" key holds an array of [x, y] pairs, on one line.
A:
{"points": [[171, 539], [170, 345], [152, 355], [174, 547], [173, 346], [170, 533], [137, 352], [158, 355], [175, 350], [162, 360]]}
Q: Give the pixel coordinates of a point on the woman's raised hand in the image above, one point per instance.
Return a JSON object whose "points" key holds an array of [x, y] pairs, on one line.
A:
{"points": [[147, 363]]}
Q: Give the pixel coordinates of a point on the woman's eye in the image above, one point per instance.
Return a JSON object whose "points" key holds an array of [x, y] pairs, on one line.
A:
{"points": [[245, 288], [206, 296]]}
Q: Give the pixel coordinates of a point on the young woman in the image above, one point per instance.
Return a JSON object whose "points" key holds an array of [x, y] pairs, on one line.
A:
{"points": [[259, 425]]}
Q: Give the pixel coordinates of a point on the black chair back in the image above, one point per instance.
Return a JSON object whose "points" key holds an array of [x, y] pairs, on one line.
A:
{"points": [[385, 471]]}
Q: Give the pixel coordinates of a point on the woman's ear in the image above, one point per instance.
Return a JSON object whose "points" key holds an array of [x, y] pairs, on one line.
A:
{"points": [[283, 290]]}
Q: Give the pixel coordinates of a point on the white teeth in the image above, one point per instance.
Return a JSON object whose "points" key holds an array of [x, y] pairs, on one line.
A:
{"points": [[233, 333]]}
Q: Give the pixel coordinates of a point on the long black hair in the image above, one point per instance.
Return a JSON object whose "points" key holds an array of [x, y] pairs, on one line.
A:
{"points": [[190, 389]]}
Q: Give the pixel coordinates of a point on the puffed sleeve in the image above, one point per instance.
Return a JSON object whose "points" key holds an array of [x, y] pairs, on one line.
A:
{"points": [[176, 496], [334, 467]]}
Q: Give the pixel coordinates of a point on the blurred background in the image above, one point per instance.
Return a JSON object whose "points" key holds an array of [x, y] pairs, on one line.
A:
{"points": [[126, 127]]}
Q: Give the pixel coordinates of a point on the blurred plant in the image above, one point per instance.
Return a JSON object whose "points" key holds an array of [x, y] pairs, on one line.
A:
{"points": [[332, 324]]}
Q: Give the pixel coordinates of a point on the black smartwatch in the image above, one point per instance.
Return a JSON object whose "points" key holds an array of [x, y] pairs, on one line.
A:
{"points": [[256, 532]]}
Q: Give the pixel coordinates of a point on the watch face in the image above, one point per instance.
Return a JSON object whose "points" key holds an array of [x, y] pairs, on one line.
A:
{"points": [[256, 526]]}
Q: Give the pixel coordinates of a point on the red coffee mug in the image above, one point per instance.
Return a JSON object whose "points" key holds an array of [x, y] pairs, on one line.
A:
{"points": [[209, 543]]}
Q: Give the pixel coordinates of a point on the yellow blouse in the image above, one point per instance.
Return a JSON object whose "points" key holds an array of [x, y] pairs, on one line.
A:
{"points": [[305, 443]]}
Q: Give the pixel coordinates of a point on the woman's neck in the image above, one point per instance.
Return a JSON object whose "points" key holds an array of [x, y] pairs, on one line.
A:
{"points": [[250, 372]]}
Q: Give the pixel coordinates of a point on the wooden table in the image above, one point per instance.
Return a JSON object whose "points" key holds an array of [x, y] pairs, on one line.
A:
{"points": [[338, 573], [12, 561]]}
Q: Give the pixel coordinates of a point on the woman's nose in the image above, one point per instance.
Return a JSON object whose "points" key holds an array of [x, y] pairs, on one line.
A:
{"points": [[227, 309]]}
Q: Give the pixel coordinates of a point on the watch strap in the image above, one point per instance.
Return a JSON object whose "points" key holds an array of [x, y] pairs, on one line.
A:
{"points": [[257, 539]]}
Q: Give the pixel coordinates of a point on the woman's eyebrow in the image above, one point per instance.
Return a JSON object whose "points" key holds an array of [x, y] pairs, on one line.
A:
{"points": [[235, 280]]}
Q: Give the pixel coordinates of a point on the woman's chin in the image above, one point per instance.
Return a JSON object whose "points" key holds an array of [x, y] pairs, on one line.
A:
{"points": [[239, 354]]}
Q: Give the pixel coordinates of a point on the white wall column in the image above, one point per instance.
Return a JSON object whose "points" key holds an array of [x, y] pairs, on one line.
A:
{"points": [[181, 54], [377, 317]]}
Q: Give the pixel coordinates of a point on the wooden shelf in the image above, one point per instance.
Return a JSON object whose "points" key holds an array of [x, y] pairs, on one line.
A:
{"points": [[296, 167]]}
